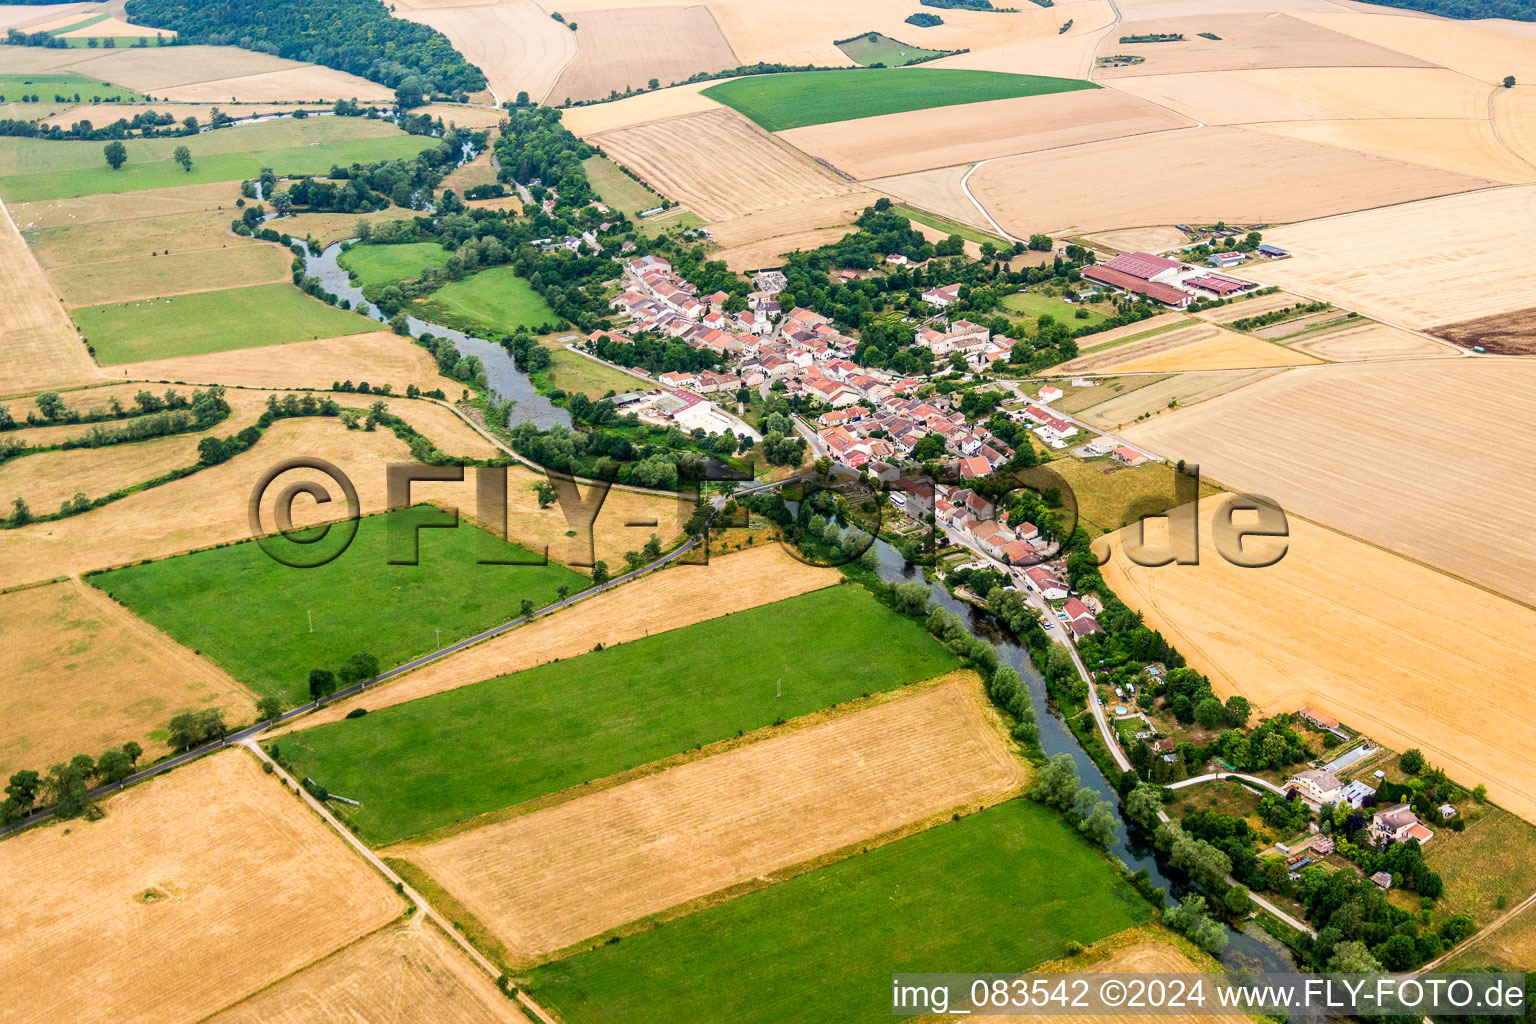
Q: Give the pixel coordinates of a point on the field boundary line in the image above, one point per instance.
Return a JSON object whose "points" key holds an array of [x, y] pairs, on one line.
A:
{"points": [[1487, 932], [798, 724], [389, 874]]}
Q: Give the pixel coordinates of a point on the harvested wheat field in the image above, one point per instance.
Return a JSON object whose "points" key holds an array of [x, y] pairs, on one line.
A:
{"points": [[1196, 347], [1319, 439], [1104, 339], [838, 211], [518, 45], [119, 28], [642, 109], [719, 164], [380, 357], [877, 147], [1146, 952], [1247, 41], [156, 69], [624, 49], [677, 597], [402, 975], [1061, 54], [1479, 51], [1371, 341], [149, 277], [938, 191], [1264, 178], [1464, 147], [1418, 264], [463, 114], [770, 252], [1514, 112], [704, 826], [1152, 398], [1252, 306], [49, 479], [25, 16], [1410, 656], [1155, 238], [39, 346], [220, 871], [307, 82], [110, 678]]}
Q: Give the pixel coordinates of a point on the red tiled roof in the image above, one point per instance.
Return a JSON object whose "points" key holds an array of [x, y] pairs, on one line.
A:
{"points": [[1166, 294], [1142, 265]]}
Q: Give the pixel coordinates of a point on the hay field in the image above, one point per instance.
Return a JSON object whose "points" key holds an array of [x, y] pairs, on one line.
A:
{"points": [[156, 68], [41, 347], [623, 49], [1199, 346], [1447, 486], [889, 144], [1410, 656], [96, 241], [518, 45], [937, 191], [307, 82], [1068, 55], [380, 357], [1247, 41], [251, 887], [1418, 264], [1152, 398], [148, 277], [703, 826], [400, 975], [1264, 178], [1462, 146], [642, 109], [678, 597], [110, 678], [757, 239], [1371, 341], [1479, 51], [719, 164], [42, 219]]}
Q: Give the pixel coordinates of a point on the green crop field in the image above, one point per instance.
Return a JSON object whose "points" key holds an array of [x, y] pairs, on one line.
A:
{"points": [[43, 169], [251, 614], [799, 98], [442, 759], [875, 48], [1035, 306], [1003, 889], [95, 19], [379, 265], [618, 189], [185, 325], [495, 299], [47, 87]]}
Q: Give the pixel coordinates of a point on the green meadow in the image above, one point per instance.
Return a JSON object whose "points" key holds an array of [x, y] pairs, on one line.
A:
{"points": [[795, 99], [495, 300], [449, 757], [1001, 890], [252, 615], [217, 321], [380, 265], [48, 85], [33, 169]]}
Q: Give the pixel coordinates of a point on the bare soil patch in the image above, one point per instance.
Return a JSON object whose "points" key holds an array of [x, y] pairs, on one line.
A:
{"points": [[402, 975], [252, 887], [623, 49], [701, 827], [671, 599], [1446, 486], [1504, 334], [110, 677], [518, 45], [1410, 656], [1247, 41], [877, 147], [720, 164], [1263, 178]]}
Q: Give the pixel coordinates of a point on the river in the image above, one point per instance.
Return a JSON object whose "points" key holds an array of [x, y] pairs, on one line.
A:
{"points": [[1251, 948], [504, 376]]}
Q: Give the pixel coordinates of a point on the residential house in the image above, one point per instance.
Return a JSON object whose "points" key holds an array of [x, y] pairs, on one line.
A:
{"points": [[1049, 394], [1397, 824], [678, 379], [1128, 456], [974, 467], [1318, 785], [992, 537], [943, 297], [1355, 793], [1047, 583]]}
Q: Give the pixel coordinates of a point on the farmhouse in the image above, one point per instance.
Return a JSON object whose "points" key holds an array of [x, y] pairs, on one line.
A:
{"points": [[1049, 394], [1225, 259], [1397, 824], [1128, 456], [1042, 579], [1318, 785], [1142, 274]]}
